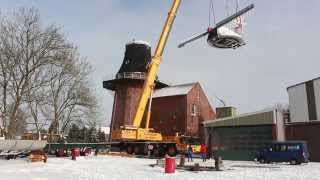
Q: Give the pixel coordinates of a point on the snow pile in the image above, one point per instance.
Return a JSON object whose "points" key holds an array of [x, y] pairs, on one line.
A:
{"points": [[111, 167]]}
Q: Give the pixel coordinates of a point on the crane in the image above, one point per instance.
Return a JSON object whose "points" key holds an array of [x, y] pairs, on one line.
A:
{"points": [[155, 62], [134, 137], [135, 132]]}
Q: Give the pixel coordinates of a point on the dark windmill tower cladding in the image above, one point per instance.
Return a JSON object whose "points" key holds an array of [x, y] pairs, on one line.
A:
{"points": [[128, 83]]}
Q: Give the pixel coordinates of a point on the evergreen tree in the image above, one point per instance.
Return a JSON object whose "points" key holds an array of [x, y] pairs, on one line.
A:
{"points": [[92, 134], [74, 134], [84, 135], [101, 136]]}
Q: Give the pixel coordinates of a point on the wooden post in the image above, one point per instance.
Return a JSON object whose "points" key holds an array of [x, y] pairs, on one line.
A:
{"points": [[182, 161]]}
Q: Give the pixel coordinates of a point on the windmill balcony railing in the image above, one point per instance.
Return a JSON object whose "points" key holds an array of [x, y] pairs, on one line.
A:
{"points": [[131, 75]]}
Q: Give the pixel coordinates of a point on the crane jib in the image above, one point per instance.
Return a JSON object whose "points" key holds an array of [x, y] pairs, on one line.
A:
{"points": [[153, 69]]}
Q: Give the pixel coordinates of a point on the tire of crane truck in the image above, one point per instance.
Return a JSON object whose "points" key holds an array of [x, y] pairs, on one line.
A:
{"points": [[129, 149], [156, 152], [137, 149]]}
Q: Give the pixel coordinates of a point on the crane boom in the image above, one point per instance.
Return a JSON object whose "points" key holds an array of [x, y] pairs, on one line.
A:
{"points": [[155, 62]]}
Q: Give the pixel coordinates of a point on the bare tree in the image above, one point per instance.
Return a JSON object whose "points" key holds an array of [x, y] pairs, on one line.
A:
{"points": [[71, 99], [35, 98], [5, 76], [42, 75], [27, 47], [6, 66]]}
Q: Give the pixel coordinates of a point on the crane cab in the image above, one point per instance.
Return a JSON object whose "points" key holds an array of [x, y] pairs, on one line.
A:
{"points": [[224, 38]]}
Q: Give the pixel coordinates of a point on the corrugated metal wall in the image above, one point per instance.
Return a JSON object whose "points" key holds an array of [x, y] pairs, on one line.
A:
{"points": [[240, 142], [316, 85], [298, 103], [304, 101], [228, 111], [240, 137]]}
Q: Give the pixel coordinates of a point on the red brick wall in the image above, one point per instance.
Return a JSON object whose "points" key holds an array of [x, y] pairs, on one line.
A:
{"points": [[308, 131], [174, 113], [168, 115], [126, 99], [204, 111], [274, 133]]}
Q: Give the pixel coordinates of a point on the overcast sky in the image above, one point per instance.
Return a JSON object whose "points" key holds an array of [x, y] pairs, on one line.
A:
{"points": [[282, 44]]}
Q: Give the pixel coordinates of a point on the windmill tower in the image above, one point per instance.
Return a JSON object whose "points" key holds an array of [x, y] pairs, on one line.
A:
{"points": [[128, 82]]}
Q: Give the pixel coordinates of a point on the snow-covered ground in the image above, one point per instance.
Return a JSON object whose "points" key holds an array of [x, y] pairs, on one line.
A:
{"points": [[113, 167]]}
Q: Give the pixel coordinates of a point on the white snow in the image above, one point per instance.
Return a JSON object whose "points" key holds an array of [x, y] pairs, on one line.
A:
{"points": [[105, 129], [181, 89], [112, 167], [138, 42]]}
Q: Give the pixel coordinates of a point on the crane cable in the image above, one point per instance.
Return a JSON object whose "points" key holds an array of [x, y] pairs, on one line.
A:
{"points": [[237, 6], [211, 13], [238, 24]]}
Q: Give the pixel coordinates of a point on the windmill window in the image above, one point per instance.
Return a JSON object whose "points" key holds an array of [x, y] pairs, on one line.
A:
{"points": [[194, 110]]}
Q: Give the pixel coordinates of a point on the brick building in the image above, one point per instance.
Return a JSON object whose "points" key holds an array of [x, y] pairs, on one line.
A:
{"points": [[304, 121], [180, 109]]}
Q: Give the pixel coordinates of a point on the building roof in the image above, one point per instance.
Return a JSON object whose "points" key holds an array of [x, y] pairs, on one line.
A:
{"points": [[176, 90], [111, 84], [302, 82], [263, 117]]}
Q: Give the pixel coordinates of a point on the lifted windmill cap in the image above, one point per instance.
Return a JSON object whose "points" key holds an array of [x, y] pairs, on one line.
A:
{"points": [[138, 42], [224, 31], [225, 38]]}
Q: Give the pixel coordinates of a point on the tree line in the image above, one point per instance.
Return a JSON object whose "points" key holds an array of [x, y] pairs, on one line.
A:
{"points": [[44, 82], [85, 135]]}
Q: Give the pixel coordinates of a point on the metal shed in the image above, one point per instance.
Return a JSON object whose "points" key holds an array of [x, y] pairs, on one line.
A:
{"points": [[239, 137]]}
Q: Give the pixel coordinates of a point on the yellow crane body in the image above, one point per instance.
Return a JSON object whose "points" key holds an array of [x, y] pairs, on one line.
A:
{"points": [[135, 131], [155, 62], [133, 134]]}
